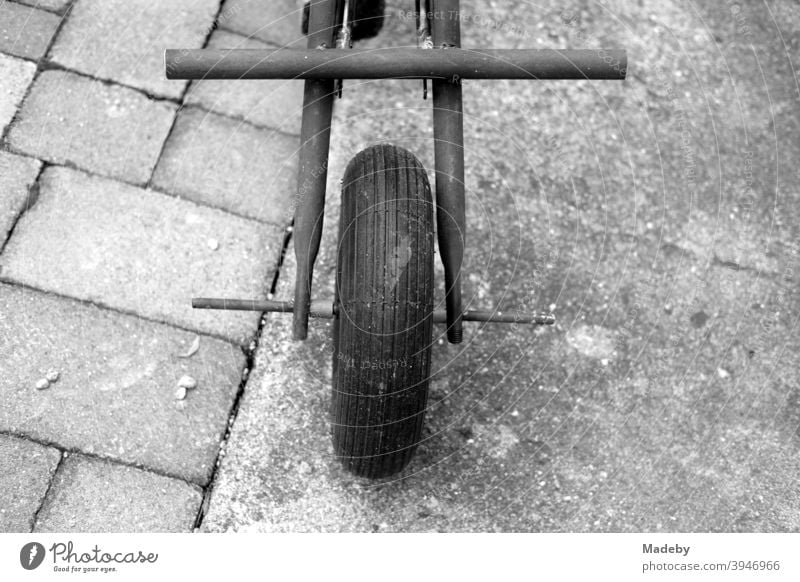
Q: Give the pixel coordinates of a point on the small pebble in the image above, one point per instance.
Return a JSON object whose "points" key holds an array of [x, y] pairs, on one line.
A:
{"points": [[52, 376], [180, 393], [187, 382], [722, 373], [42, 384], [213, 244], [192, 349]]}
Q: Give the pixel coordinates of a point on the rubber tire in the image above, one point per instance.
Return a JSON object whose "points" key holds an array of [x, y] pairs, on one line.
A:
{"points": [[384, 300]]}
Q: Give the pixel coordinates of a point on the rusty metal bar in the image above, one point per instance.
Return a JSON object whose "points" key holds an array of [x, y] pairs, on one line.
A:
{"points": [[448, 136], [318, 309], [386, 63], [325, 310], [315, 136]]}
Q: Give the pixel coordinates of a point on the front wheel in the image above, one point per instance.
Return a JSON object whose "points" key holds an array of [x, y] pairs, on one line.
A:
{"points": [[384, 298]]}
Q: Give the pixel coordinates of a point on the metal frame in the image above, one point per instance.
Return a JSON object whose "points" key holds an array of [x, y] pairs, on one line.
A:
{"points": [[396, 63], [446, 64]]}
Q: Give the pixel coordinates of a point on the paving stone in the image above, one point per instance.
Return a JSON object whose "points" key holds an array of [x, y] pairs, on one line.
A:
{"points": [[277, 22], [17, 75], [103, 128], [230, 164], [24, 31], [90, 495], [17, 175], [140, 251], [115, 393], [54, 5], [124, 40], [26, 469], [270, 103]]}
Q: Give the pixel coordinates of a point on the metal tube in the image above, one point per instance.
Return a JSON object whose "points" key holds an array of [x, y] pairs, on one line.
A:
{"points": [[325, 310], [319, 309], [386, 63], [448, 135], [315, 136]]}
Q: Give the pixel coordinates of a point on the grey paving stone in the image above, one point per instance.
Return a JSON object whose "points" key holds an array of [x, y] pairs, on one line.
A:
{"points": [[26, 469], [277, 22], [17, 75], [106, 129], [141, 252], [230, 164], [55, 5], [115, 394], [89, 495], [269, 103], [17, 175], [124, 40], [25, 31]]}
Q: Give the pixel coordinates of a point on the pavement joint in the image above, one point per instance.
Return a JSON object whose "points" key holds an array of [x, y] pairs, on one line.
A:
{"points": [[181, 106], [252, 36], [15, 283], [181, 100], [237, 118], [33, 197], [287, 239], [114, 461], [73, 166], [250, 356], [250, 362], [240, 119], [40, 67], [50, 482], [54, 66], [60, 12]]}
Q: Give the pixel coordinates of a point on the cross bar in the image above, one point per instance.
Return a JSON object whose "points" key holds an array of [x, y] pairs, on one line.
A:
{"points": [[395, 63]]}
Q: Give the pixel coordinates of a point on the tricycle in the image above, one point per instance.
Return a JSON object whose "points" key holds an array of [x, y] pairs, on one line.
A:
{"points": [[383, 305]]}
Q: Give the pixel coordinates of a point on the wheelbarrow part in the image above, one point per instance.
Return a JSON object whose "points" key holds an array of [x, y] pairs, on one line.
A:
{"points": [[367, 18], [382, 334]]}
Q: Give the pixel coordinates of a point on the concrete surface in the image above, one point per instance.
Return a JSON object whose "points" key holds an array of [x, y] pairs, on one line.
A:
{"points": [[105, 129], [122, 499], [17, 75], [657, 217], [17, 175], [26, 469], [230, 164], [26, 32], [141, 252], [124, 40], [115, 394], [276, 22], [277, 104]]}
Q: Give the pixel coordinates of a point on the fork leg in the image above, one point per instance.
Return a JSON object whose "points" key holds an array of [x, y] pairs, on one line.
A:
{"points": [[315, 137], [448, 134]]}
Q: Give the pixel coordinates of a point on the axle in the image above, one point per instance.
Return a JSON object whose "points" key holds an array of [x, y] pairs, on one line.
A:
{"points": [[326, 310]]}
